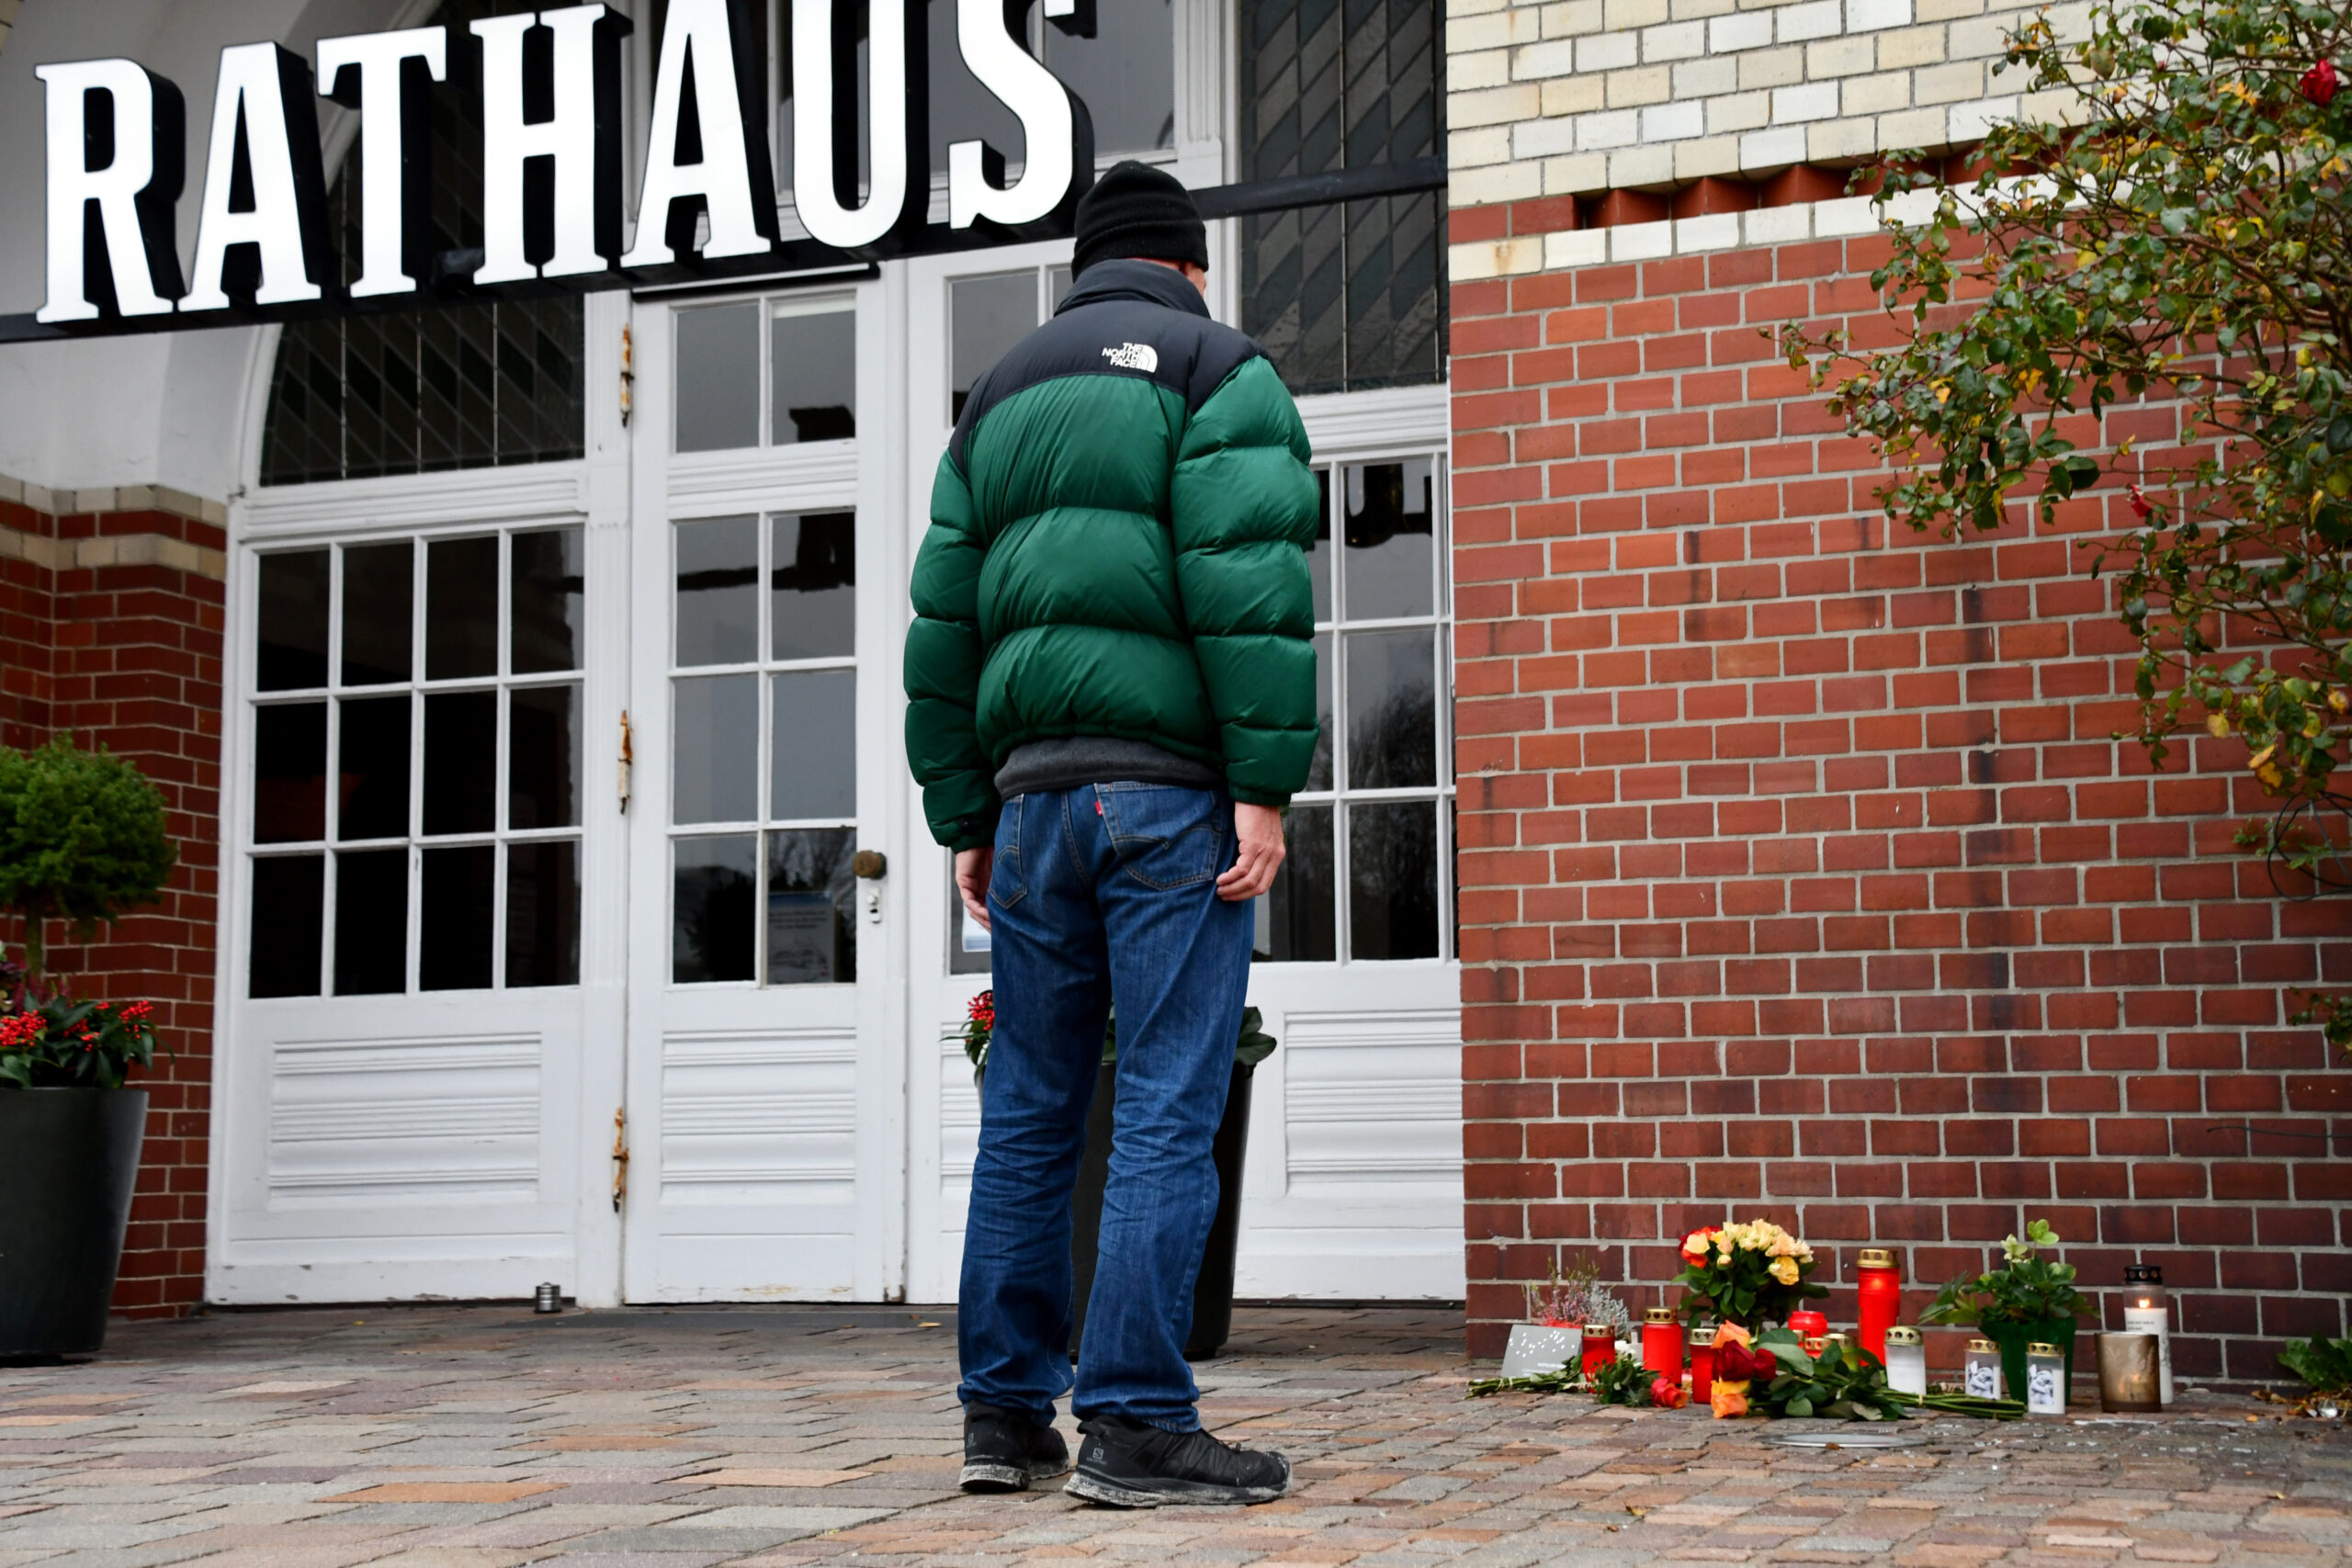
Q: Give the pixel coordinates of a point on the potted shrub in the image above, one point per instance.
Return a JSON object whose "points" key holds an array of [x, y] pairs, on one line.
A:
{"points": [[2024, 1301], [1213, 1288], [82, 840]]}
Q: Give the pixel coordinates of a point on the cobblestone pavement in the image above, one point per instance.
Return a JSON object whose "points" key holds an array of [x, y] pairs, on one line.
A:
{"points": [[483, 1436]]}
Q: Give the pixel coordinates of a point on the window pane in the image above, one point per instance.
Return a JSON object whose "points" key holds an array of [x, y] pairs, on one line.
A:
{"points": [[292, 642], [816, 745], [543, 913], [460, 763], [1319, 770], [1392, 880], [713, 921], [549, 594], [1298, 920], [719, 592], [1319, 554], [1124, 75], [812, 376], [1392, 708], [378, 591], [812, 906], [370, 922], [288, 896], [812, 609], [1392, 554], [453, 936], [374, 786], [291, 772], [543, 757], [961, 109], [986, 317], [1058, 286], [461, 608], [718, 378], [716, 777]]}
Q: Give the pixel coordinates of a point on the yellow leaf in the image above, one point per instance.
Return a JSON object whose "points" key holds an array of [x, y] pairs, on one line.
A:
{"points": [[2261, 757], [2217, 726]]}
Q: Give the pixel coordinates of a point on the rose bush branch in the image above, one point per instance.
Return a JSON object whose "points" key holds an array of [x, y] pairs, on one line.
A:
{"points": [[2176, 237]]}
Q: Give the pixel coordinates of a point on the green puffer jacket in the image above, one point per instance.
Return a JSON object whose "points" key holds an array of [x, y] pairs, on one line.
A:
{"points": [[1116, 548]]}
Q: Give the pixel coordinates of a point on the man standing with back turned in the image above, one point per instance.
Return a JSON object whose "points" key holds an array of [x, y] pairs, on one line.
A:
{"points": [[1110, 696]]}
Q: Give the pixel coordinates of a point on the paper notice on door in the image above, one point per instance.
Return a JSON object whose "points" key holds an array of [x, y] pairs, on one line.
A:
{"points": [[801, 941]]}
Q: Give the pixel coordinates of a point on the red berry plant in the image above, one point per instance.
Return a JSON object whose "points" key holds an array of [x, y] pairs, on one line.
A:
{"points": [[54, 1041], [2172, 233]]}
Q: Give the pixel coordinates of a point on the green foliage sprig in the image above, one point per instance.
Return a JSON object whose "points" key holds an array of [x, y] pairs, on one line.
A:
{"points": [[2323, 1364], [1624, 1380], [1563, 1380], [81, 838], [2177, 229], [1846, 1383], [2026, 1288]]}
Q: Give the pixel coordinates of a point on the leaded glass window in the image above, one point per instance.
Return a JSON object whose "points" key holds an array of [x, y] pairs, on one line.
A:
{"points": [[1350, 295], [419, 391]]}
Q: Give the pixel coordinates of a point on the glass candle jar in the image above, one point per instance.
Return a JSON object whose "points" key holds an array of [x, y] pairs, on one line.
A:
{"points": [[1981, 1372], [1702, 1363], [1808, 1324], [1662, 1342], [2045, 1380], [2147, 1310], [1600, 1347], [2127, 1373], [1881, 1292], [1906, 1360]]}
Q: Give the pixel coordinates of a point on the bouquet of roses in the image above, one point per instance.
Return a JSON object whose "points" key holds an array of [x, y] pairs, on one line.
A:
{"points": [[1748, 1273]]}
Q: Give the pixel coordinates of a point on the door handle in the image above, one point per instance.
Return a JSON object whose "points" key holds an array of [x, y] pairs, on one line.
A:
{"points": [[869, 865]]}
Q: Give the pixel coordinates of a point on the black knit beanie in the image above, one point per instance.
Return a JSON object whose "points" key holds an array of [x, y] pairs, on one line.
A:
{"points": [[1138, 211]]}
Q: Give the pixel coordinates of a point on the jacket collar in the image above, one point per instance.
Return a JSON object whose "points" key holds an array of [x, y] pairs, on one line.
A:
{"points": [[1127, 279]]}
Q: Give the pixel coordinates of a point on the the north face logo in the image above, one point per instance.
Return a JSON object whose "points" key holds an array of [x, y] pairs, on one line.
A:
{"points": [[1134, 356]]}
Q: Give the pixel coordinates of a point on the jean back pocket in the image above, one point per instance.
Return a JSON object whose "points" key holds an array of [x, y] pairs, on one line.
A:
{"points": [[1166, 835]]}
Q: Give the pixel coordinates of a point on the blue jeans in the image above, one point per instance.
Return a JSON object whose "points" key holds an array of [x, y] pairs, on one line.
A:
{"points": [[1104, 892]]}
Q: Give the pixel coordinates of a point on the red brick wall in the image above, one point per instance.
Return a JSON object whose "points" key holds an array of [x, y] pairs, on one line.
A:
{"points": [[1800, 873], [129, 656]]}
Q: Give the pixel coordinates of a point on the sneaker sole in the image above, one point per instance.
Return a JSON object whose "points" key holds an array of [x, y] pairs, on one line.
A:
{"points": [[1168, 1493], [986, 1477]]}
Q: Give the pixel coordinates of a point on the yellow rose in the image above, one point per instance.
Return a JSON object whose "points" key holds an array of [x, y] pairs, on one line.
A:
{"points": [[1785, 1269]]}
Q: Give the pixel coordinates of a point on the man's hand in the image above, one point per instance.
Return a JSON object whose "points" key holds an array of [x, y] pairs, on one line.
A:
{"points": [[1259, 828], [973, 868]]}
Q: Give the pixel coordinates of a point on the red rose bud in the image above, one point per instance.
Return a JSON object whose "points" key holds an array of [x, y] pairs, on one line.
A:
{"points": [[2140, 507], [2319, 83]]}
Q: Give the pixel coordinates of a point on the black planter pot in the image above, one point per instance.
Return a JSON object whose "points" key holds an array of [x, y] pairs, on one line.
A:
{"points": [[1213, 1290], [69, 1159]]}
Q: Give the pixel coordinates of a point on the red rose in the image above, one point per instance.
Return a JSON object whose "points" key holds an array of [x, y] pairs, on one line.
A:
{"points": [[1736, 1363], [1695, 1244], [2319, 83], [2140, 507]]}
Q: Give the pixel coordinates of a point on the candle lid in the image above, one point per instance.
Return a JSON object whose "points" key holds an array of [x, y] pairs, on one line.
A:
{"points": [[2038, 1348], [1877, 1258], [1600, 1331], [1983, 1344], [1658, 1314], [1838, 1338], [1899, 1335], [2142, 1274]]}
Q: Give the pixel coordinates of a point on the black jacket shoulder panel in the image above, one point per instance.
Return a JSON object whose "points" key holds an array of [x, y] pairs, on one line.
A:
{"points": [[1127, 318]]}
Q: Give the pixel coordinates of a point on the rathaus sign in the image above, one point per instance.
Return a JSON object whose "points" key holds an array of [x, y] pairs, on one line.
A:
{"points": [[551, 162]]}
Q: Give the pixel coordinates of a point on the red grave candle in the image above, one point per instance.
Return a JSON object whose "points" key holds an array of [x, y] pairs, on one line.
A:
{"points": [[1600, 1347], [1808, 1324], [1702, 1372], [1662, 1342], [1881, 1300]]}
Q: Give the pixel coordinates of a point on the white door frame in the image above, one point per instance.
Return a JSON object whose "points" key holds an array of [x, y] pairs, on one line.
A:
{"points": [[666, 488]]}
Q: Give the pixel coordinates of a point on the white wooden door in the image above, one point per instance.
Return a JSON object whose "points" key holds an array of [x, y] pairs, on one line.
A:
{"points": [[764, 1113]]}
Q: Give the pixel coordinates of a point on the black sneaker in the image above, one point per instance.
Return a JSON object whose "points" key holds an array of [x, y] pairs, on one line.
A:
{"points": [[1002, 1452], [1131, 1465]]}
